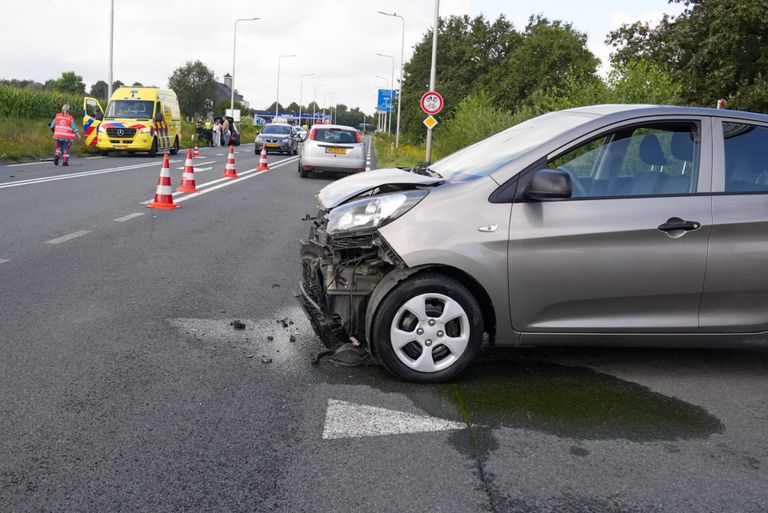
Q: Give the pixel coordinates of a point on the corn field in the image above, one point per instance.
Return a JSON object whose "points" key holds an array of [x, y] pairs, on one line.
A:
{"points": [[35, 104]]}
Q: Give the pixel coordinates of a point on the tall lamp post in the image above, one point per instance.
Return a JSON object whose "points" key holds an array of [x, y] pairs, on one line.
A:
{"points": [[111, 46], [325, 99], [301, 92], [391, 87], [402, 65], [234, 52], [314, 103], [383, 126], [277, 101], [432, 76]]}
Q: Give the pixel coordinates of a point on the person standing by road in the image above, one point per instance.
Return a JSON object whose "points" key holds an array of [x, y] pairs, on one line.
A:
{"points": [[64, 132], [216, 132], [225, 133]]}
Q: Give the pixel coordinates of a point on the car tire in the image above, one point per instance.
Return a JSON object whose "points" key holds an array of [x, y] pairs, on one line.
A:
{"points": [[303, 171], [175, 147], [153, 148], [395, 322]]}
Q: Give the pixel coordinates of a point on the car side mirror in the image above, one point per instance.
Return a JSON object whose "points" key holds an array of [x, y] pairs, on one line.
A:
{"points": [[549, 184]]}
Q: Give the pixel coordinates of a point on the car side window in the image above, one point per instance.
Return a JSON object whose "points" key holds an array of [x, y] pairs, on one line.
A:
{"points": [[746, 157], [645, 160]]}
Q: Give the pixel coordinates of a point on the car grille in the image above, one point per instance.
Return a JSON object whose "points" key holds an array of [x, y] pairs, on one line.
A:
{"points": [[121, 132]]}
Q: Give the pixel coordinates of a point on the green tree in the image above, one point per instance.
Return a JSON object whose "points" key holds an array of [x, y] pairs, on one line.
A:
{"points": [[271, 108], [70, 82], [293, 108], [117, 84], [99, 90], [467, 49], [137, 84], [193, 83], [714, 49], [549, 52]]}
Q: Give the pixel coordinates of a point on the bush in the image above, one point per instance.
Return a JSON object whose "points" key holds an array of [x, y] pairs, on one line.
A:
{"points": [[475, 118]]}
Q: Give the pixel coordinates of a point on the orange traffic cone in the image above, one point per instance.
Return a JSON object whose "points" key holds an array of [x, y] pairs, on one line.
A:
{"points": [[229, 169], [263, 165], [164, 195], [188, 176], [196, 153]]}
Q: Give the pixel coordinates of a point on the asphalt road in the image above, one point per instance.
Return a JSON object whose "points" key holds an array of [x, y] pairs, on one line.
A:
{"points": [[124, 386]]}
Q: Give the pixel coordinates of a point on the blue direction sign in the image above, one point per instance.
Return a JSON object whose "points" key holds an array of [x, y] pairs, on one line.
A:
{"points": [[386, 100]]}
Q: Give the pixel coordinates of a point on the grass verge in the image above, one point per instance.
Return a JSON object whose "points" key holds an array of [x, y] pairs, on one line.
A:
{"points": [[405, 156], [22, 139]]}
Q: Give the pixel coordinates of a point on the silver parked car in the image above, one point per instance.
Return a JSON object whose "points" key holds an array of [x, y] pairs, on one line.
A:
{"points": [[277, 137], [604, 225], [332, 149]]}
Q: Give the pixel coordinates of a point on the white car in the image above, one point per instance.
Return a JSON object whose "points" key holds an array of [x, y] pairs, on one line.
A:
{"points": [[332, 149]]}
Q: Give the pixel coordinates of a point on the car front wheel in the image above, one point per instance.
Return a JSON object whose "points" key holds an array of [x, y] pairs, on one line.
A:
{"points": [[428, 329]]}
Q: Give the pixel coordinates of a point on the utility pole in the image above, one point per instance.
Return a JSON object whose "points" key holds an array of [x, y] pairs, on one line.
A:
{"points": [[111, 46], [432, 76]]}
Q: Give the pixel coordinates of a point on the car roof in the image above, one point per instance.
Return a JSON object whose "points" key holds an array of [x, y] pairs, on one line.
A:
{"points": [[342, 127], [664, 110]]}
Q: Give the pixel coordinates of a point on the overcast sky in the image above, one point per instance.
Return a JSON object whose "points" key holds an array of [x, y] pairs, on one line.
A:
{"points": [[336, 39]]}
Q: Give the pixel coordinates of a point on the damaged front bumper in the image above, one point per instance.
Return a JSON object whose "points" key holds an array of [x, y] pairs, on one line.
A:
{"points": [[338, 277]]}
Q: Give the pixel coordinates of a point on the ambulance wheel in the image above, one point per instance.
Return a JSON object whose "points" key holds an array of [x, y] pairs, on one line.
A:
{"points": [[175, 148], [153, 149], [104, 153]]}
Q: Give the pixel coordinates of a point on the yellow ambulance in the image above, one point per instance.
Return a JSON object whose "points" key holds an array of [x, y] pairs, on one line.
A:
{"points": [[144, 119]]}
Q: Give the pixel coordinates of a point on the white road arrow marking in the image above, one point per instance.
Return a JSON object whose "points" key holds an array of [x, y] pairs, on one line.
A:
{"points": [[349, 420]]}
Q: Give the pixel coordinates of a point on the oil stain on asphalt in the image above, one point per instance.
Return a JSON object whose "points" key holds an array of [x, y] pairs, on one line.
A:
{"points": [[573, 402]]}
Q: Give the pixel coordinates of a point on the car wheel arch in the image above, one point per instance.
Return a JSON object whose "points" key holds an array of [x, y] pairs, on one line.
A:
{"points": [[394, 278]]}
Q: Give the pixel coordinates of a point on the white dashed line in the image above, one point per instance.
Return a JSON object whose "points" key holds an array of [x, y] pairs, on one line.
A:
{"points": [[71, 236], [128, 217], [4, 261], [220, 154], [95, 157]]}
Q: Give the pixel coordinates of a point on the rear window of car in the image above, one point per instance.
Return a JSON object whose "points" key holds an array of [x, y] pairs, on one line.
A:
{"points": [[335, 135], [276, 129]]}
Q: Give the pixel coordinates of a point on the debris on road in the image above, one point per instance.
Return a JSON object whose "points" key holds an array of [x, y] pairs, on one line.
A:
{"points": [[292, 338], [237, 324], [248, 355], [270, 338], [266, 359]]}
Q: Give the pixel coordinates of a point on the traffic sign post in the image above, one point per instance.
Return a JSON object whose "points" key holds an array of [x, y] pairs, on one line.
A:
{"points": [[430, 122], [432, 102]]}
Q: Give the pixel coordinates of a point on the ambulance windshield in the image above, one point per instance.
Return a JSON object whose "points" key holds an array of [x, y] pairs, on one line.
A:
{"points": [[135, 109]]}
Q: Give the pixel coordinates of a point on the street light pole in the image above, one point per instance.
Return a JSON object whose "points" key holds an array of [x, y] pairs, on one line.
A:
{"points": [[234, 52], [301, 92], [402, 66], [314, 103], [111, 46], [391, 87], [277, 101], [325, 99], [432, 76]]}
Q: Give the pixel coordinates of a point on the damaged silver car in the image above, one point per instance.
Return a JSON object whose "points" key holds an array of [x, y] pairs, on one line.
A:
{"points": [[614, 225]]}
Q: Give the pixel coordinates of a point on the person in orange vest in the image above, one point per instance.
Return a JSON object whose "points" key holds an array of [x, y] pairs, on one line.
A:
{"points": [[64, 132]]}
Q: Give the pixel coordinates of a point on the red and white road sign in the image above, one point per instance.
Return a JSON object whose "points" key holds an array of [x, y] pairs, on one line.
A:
{"points": [[432, 102]]}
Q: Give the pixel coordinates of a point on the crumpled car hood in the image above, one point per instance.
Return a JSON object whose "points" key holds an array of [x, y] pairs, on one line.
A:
{"points": [[338, 192]]}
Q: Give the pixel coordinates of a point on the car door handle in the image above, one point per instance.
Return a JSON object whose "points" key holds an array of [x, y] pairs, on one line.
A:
{"points": [[675, 223]]}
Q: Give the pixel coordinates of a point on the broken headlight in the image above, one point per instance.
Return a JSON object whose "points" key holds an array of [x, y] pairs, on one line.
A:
{"points": [[368, 214]]}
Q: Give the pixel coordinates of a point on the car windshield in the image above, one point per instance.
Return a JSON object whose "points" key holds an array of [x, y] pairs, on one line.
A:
{"points": [[488, 155], [276, 129], [140, 109], [335, 135]]}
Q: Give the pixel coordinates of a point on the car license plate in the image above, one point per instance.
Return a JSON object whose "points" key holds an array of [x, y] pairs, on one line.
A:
{"points": [[270, 145], [336, 151]]}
